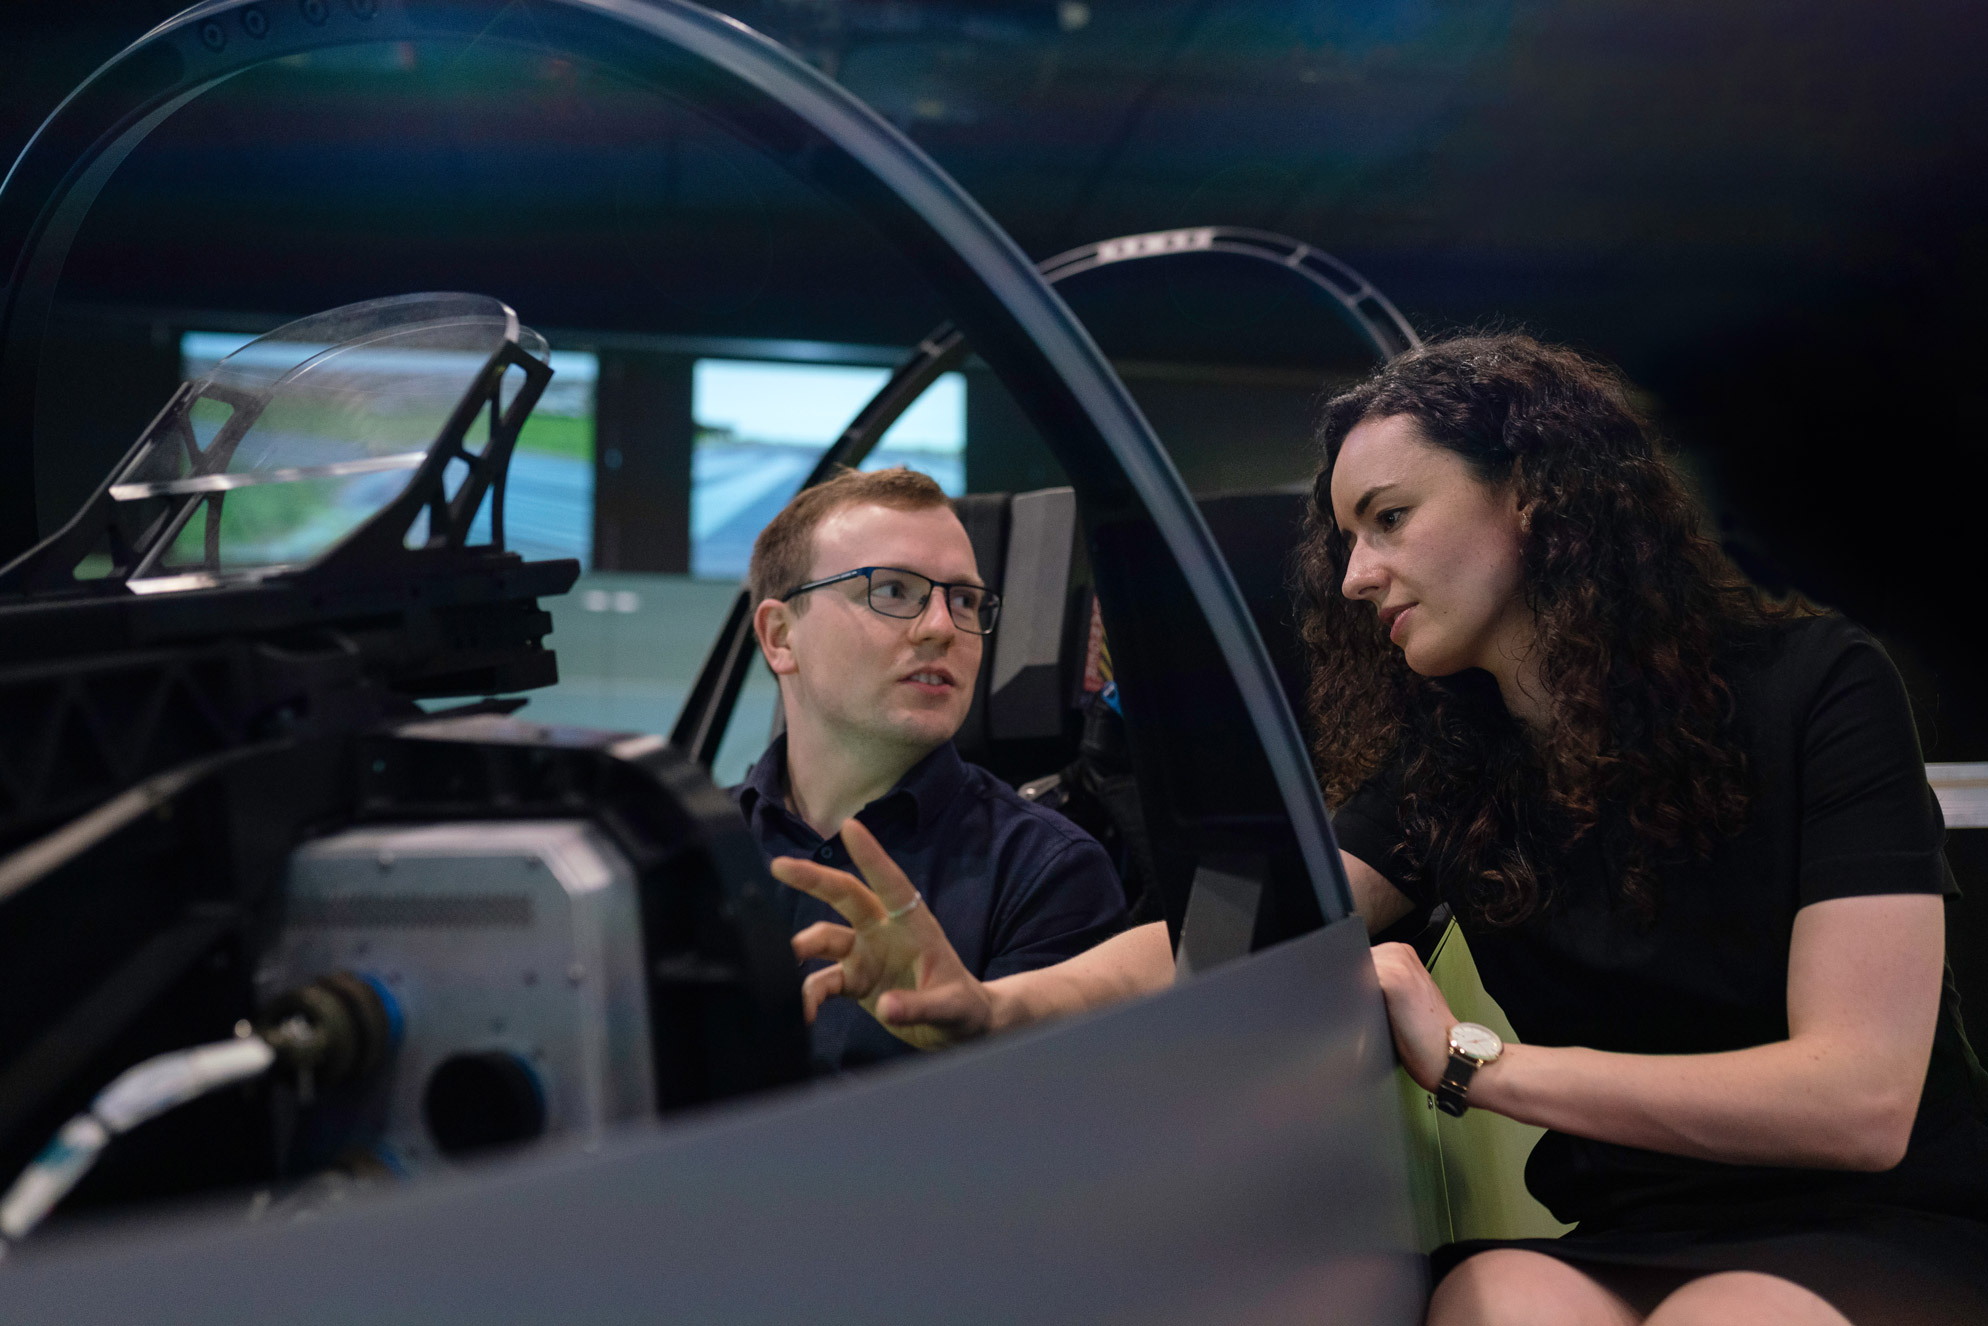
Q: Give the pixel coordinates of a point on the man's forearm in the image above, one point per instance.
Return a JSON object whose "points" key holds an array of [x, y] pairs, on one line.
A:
{"points": [[1136, 962]]}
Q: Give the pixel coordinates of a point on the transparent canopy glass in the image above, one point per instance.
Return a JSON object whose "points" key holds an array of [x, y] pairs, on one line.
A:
{"points": [[303, 434]]}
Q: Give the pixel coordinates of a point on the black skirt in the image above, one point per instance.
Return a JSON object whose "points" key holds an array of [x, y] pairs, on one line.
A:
{"points": [[1878, 1267]]}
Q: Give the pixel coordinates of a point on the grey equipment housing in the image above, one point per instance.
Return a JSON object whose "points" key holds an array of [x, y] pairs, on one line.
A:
{"points": [[514, 954]]}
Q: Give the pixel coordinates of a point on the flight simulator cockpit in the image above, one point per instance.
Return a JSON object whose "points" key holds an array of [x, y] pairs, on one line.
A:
{"points": [[325, 966]]}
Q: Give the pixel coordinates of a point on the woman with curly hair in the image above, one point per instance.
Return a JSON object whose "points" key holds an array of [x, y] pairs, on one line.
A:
{"points": [[1686, 830], [1688, 835]]}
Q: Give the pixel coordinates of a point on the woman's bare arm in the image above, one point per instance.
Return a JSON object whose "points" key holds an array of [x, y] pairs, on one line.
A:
{"points": [[1379, 903], [1841, 1092]]}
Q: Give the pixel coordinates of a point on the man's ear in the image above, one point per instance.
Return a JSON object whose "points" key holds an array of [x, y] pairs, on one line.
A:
{"points": [[773, 625]]}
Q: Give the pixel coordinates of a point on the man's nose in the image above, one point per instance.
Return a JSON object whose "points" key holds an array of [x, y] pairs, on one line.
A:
{"points": [[936, 621]]}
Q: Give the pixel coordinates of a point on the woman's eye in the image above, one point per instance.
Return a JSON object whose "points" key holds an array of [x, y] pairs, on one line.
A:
{"points": [[1391, 518]]}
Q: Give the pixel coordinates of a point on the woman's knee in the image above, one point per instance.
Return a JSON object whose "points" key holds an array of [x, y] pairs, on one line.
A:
{"points": [[1748, 1296], [1510, 1286]]}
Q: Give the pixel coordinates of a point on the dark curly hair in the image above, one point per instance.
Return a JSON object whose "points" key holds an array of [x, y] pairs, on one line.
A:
{"points": [[1633, 603]]}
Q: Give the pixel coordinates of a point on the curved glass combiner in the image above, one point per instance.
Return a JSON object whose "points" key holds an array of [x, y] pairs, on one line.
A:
{"points": [[317, 426], [288, 446]]}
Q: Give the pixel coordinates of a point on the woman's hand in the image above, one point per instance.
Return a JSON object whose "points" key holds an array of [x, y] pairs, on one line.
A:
{"points": [[893, 957], [1417, 1012]]}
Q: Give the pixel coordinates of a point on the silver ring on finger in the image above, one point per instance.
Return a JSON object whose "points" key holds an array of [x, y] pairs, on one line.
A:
{"points": [[917, 899]]}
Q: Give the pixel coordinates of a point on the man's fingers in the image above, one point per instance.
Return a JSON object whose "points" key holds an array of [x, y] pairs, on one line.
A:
{"points": [[824, 939], [945, 1007], [822, 985], [889, 889], [838, 888], [891, 884]]}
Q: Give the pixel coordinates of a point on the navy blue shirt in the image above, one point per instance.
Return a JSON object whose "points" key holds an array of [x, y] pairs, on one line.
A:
{"points": [[1015, 886]]}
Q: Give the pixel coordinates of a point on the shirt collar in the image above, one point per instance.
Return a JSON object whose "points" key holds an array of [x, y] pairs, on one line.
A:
{"points": [[928, 787]]}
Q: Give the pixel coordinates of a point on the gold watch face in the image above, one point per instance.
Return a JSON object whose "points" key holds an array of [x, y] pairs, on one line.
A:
{"points": [[1476, 1042]]}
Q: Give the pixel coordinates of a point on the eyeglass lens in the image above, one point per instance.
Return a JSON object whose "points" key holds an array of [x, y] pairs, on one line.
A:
{"points": [[897, 593]]}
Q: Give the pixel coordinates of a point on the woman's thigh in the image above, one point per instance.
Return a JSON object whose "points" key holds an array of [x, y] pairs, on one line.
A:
{"points": [[1513, 1287], [1745, 1296]]}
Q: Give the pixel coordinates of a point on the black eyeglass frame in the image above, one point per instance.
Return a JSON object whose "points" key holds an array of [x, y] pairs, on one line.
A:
{"points": [[990, 606]]}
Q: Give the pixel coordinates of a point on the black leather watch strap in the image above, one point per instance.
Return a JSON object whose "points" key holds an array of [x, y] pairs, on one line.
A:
{"points": [[1453, 1091]]}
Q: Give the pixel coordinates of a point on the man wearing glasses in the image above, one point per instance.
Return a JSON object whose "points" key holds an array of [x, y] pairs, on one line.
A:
{"points": [[872, 614]]}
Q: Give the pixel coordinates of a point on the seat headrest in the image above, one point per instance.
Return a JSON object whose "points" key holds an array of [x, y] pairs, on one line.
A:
{"points": [[1026, 546]]}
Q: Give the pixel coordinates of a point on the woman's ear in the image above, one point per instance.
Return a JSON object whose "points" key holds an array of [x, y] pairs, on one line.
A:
{"points": [[773, 625]]}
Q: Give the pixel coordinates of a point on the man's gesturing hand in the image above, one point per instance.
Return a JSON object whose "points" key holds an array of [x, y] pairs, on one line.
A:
{"points": [[892, 958]]}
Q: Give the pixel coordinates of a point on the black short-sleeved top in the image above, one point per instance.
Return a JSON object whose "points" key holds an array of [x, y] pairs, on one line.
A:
{"points": [[1016, 886], [1840, 807]]}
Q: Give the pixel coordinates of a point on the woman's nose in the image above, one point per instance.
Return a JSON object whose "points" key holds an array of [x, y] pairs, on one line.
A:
{"points": [[1363, 576]]}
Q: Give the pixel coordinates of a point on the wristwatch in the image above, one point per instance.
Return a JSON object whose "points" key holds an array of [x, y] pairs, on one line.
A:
{"points": [[1471, 1047]]}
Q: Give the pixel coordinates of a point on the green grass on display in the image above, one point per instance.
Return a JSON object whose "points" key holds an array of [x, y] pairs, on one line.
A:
{"points": [[558, 435], [286, 521], [271, 522]]}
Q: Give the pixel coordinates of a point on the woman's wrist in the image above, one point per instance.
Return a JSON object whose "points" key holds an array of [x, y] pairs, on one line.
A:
{"points": [[1494, 1086]]}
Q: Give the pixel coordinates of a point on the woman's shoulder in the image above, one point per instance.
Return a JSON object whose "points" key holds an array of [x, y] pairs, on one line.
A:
{"points": [[1796, 653], [1819, 667]]}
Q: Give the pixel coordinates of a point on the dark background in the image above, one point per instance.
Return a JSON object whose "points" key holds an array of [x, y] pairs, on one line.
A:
{"points": [[1769, 214]]}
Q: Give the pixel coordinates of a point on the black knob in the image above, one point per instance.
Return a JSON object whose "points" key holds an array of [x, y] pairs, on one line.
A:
{"points": [[483, 1100], [338, 1028]]}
